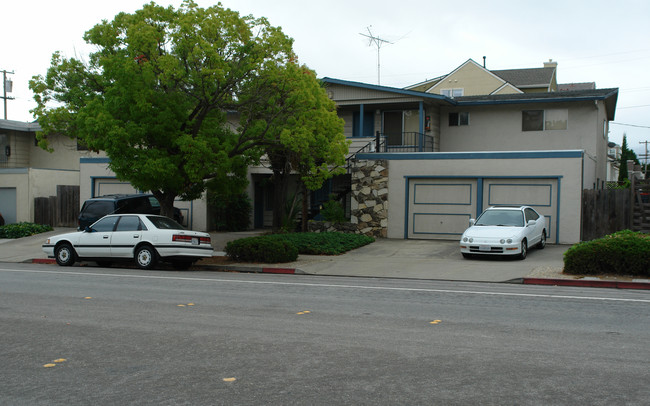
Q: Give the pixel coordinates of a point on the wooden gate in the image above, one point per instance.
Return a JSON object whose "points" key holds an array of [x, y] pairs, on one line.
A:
{"points": [[641, 205]]}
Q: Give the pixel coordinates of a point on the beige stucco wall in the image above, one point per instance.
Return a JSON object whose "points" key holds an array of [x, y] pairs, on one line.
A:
{"points": [[568, 168], [498, 128], [472, 78]]}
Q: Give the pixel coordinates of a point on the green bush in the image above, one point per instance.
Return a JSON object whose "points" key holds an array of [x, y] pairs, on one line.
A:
{"points": [[231, 212], [20, 230], [264, 249], [275, 247], [325, 243], [333, 211], [622, 253]]}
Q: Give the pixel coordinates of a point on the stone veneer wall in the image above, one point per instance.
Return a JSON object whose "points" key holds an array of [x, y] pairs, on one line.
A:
{"points": [[369, 201]]}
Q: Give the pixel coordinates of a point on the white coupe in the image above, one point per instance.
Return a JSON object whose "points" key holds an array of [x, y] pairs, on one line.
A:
{"points": [[504, 230], [144, 238]]}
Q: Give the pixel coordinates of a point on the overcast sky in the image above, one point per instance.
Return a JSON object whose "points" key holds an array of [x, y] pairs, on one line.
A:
{"points": [[598, 41]]}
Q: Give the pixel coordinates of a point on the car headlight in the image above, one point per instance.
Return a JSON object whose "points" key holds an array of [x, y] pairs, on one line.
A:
{"points": [[509, 240], [465, 239]]}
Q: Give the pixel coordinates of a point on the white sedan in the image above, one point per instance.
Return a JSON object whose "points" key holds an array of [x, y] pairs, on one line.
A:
{"points": [[144, 238], [504, 230]]}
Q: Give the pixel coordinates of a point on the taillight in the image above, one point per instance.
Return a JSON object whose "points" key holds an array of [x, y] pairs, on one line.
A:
{"points": [[205, 240], [182, 238]]}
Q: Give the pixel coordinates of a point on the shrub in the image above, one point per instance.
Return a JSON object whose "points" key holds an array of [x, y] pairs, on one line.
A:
{"points": [[262, 249], [325, 243], [286, 247], [232, 213], [333, 211], [20, 230], [622, 253]]}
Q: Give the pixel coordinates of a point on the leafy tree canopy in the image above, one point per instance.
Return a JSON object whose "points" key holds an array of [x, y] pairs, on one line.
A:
{"points": [[157, 94]]}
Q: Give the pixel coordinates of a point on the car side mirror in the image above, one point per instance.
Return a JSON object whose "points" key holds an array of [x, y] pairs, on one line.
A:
{"points": [[88, 229], [531, 222], [471, 222]]}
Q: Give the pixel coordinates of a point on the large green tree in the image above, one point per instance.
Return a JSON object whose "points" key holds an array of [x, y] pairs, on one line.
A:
{"points": [[303, 133], [157, 93]]}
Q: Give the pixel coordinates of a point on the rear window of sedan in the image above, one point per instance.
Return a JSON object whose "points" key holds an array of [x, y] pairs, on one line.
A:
{"points": [[164, 223]]}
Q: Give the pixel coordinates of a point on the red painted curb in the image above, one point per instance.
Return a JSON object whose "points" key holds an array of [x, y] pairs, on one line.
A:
{"points": [[279, 270], [587, 283], [43, 261]]}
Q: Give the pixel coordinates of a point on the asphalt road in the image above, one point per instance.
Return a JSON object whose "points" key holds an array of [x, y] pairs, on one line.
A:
{"points": [[83, 335]]}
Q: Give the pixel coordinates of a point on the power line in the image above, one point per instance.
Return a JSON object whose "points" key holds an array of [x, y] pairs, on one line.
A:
{"points": [[630, 125]]}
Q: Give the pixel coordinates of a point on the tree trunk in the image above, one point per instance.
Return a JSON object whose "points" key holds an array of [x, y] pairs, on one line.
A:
{"points": [[166, 201], [281, 183], [305, 207]]}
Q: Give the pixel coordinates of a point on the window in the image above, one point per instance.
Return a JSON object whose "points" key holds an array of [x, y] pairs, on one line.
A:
{"points": [[531, 215], [4, 144], [129, 223], [105, 224], [544, 120], [456, 119], [452, 92]]}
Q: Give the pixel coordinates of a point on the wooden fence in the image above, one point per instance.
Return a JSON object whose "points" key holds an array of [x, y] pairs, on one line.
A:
{"points": [[607, 211], [61, 210]]}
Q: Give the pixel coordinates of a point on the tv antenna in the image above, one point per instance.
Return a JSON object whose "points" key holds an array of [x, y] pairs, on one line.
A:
{"points": [[373, 39]]}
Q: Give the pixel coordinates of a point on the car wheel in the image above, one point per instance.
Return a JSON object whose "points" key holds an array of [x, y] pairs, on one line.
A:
{"points": [[146, 257], [524, 250], [104, 264], [65, 255], [182, 265], [466, 255], [542, 242]]}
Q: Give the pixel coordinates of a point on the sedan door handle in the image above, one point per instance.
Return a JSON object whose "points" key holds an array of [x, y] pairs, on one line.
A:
{"points": [[136, 236], [105, 237]]}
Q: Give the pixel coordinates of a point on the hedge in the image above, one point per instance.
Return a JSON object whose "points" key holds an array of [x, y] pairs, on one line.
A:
{"points": [[621, 253], [19, 230], [276, 248]]}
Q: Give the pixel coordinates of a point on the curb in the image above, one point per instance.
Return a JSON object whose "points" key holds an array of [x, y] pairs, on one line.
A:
{"points": [[586, 283], [43, 261], [251, 269]]}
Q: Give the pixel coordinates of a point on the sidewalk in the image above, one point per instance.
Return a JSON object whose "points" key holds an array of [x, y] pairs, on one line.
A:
{"points": [[385, 258]]}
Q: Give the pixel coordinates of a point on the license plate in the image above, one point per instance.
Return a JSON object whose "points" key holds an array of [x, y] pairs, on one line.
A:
{"points": [[195, 241], [484, 248]]}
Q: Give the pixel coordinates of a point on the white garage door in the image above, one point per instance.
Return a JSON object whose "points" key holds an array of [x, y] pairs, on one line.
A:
{"points": [[440, 208], [8, 204], [541, 194]]}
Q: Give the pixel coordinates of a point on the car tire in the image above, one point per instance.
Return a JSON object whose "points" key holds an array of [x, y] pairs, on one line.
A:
{"points": [[524, 250], [146, 257], [65, 254], [542, 242]]}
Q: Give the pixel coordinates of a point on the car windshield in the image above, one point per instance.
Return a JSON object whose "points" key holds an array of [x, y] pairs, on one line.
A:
{"points": [[164, 223], [504, 218]]}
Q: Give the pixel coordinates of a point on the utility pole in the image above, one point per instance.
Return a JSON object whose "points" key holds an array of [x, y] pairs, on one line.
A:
{"points": [[646, 157], [378, 43], [7, 86]]}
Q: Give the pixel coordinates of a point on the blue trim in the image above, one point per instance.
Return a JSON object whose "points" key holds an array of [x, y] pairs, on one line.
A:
{"points": [[388, 89], [102, 160], [13, 171], [404, 156], [557, 219], [479, 196], [406, 209]]}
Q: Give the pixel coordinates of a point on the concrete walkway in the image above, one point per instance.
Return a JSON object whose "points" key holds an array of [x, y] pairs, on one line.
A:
{"points": [[385, 258]]}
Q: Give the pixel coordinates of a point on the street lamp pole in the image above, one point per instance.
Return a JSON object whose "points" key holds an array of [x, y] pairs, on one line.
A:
{"points": [[7, 87]]}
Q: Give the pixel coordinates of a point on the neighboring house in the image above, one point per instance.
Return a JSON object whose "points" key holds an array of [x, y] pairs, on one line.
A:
{"points": [[454, 145], [28, 172], [614, 161]]}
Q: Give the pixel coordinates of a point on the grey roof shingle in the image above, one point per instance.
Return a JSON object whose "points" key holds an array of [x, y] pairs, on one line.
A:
{"points": [[526, 77]]}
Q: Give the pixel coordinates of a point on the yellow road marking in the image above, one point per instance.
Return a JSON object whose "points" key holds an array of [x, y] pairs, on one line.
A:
{"points": [[49, 365], [435, 322], [229, 379]]}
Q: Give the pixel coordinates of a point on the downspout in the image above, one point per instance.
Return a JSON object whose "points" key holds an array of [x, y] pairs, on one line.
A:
{"points": [[421, 134], [361, 114]]}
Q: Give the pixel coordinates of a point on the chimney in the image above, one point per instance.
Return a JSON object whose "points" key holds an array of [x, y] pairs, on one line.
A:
{"points": [[550, 64]]}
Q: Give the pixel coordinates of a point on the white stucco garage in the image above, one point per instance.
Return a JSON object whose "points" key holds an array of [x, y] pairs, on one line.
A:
{"points": [[433, 195]]}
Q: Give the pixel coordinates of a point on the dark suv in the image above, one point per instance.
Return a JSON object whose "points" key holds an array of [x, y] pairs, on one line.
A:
{"points": [[97, 207]]}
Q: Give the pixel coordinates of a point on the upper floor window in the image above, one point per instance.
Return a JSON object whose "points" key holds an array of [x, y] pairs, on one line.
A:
{"points": [[544, 120], [456, 119], [452, 92]]}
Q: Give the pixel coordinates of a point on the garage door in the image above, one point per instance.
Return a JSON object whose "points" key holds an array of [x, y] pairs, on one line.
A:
{"points": [[440, 208], [8, 204], [541, 194]]}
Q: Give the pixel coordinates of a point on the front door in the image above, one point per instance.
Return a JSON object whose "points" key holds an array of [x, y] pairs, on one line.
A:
{"points": [[393, 127]]}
